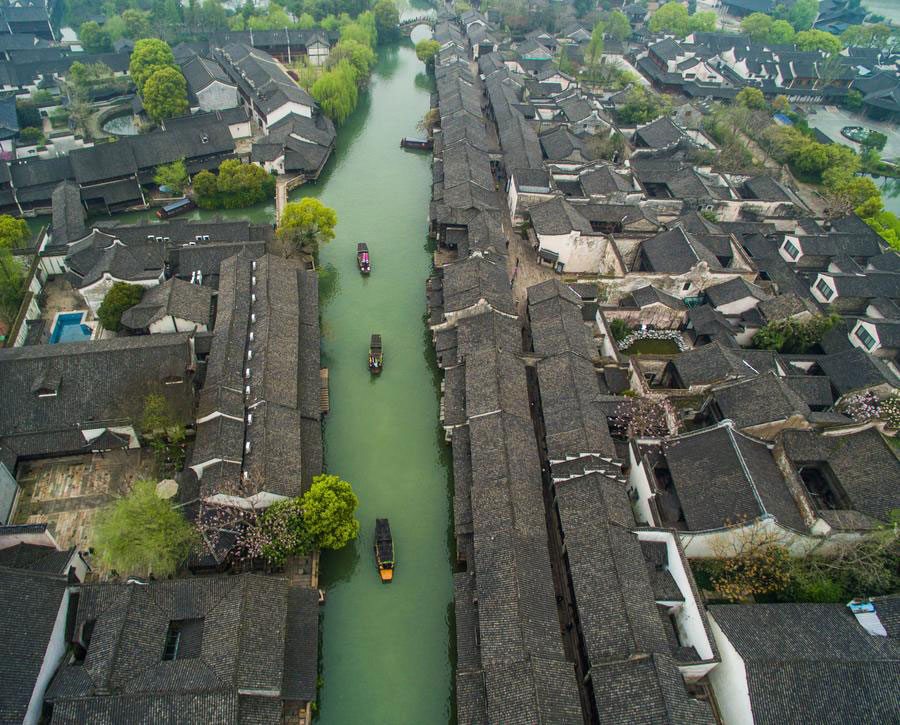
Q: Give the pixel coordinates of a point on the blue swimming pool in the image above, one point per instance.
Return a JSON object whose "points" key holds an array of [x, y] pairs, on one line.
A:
{"points": [[70, 327]]}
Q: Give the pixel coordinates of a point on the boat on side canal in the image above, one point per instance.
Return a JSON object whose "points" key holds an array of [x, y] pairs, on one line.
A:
{"points": [[362, 257], [384, 549], [420, 144], [175, 208], [376, 355]]}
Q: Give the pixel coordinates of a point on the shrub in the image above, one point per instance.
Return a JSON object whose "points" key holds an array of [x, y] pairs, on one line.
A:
{"points": [[619, 328], [121, 296]]}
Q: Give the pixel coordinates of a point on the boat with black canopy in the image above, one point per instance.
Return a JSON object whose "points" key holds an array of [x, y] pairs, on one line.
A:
{"points": [[384, 550], [362, 257], [376, 355]]}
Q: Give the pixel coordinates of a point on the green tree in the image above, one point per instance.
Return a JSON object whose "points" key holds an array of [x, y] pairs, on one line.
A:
{"points": [[31, 135], [869, 36], [142, 534], [387, 18], [165, 94], [172, 175], [672, 16], [156, 415], [284, 531], [781, 104], [149, 56], [94, 39], [757, 26], [793, 336], [752, 98], [328, 511], [121, 296], [137, 24], [802, 14], [336, 91], [817, 40], [212, 16], [360, 56], [205, 185], [617, 26], [642, 106], [782, 33], [426, 50], [875, 140], [307, 224], [595, 46], [13, 232]]}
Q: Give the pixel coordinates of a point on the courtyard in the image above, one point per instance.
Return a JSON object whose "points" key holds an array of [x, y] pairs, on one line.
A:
{"points": [[66, 493], [831, 119]]}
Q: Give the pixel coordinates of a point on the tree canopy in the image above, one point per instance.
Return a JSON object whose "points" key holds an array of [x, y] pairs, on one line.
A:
{"points": [[642, 106], [360, 56], [13, 233], [142, 534], [336, 91], [802, 14], [617, 25], [121, 296], [165, 94], [792, 335], [328, 511], [751, 98], [818, 40], [307, 224], [284, 531], [426, 50], [764, 28], [237, 185], [387, 18], [150, 54], [94, 39], [172, 175], [674, 17]]}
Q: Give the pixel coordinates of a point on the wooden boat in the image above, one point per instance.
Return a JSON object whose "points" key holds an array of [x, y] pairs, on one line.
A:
{"points": [[423, 144], [176, 208], [384, 550], [376, 355], [362, 257]]}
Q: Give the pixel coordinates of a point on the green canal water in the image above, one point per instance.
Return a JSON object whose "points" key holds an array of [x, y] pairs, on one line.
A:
{"points": [[385, 649], [386, 654]]}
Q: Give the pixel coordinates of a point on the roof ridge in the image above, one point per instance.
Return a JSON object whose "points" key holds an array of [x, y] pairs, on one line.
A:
{"points": [[746, 469]]}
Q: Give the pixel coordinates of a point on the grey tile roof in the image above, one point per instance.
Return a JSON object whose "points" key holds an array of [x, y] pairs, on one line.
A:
{"points": [[558, 216], [650, 295], [871, 487], [715, 363], [100, 254], [812, 663], [646, 691], [281, 453], [723, 477], [676, 252], [36, 558], [200, 72], [257, 74], [239, 645], [853, 369], [765, 398], [96, 381], [68, 214], [29, 604], [659, 133], [301, 645], [732, 291], [172, 298], [469, 281], [220, 707]]}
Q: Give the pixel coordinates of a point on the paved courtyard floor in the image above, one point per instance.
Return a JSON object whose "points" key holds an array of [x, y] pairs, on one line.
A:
{"points": [[831, 119], [66, 493]]}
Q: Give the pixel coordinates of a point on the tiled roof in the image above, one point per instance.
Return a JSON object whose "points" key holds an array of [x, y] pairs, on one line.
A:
{"points": [[812, 663], [761, 399], [29, 605], [723, 478]]}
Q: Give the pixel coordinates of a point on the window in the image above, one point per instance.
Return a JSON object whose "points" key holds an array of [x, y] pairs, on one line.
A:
{"points": [[824, 289], [685, 287], [865, 337], [792, 251], [184, 639]]}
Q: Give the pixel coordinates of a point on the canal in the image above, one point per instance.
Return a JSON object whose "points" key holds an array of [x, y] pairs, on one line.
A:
{"points": [[386, 653], [385, 650]]}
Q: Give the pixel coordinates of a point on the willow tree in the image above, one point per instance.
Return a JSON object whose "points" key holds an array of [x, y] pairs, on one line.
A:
{"points": [[142, 534], [336, 91]]}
